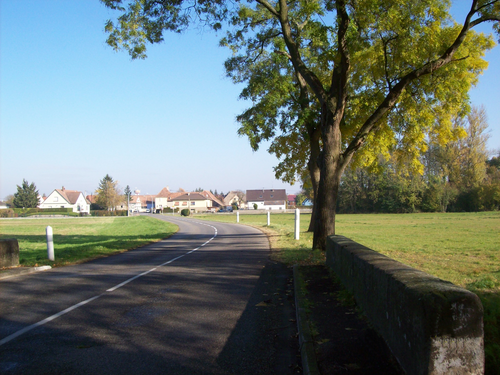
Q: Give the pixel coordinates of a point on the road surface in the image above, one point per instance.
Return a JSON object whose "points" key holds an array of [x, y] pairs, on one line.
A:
{"points": [[205, 301]]}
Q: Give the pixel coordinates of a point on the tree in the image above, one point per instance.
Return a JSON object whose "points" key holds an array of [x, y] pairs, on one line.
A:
{"points": [[26, 196], [474, 153], [108, 194], [127, 193], [384, 74], [9, 200]]}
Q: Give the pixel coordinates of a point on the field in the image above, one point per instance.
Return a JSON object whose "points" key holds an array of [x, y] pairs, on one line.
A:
{"points": [[81, 239], [459, 247]]}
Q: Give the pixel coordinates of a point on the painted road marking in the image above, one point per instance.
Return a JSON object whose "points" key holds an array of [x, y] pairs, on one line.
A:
{"points": [[71, 308]]}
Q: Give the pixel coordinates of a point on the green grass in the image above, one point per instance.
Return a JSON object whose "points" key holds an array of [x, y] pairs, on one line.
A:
{"points": [[459, 247], [81, 239]]}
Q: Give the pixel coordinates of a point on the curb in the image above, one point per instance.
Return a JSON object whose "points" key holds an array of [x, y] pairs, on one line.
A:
{"points": [[309, 363], [21, 271]]}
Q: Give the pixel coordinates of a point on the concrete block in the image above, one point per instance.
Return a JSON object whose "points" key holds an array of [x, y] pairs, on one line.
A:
{"points": [[432, 326], [9, 253]]}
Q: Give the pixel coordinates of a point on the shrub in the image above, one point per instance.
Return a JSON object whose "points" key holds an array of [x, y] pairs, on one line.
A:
{"points": [[7, 213], [185, 212], [255, 206]]}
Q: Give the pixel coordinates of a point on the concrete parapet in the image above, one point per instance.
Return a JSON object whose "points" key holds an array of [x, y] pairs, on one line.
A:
{"points": [[431, 326], [9, 253]]}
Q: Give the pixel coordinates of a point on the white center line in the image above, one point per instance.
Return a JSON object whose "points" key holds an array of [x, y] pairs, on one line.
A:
{"points": [[71, 308]]}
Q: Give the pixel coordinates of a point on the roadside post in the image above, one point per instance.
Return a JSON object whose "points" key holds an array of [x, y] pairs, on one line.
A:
{"points": [[50, 243], [268, 218], [297, 223], [237, 216]]}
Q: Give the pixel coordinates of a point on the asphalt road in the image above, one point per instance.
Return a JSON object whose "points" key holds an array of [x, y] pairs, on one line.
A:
{"points": [[206, 301]]}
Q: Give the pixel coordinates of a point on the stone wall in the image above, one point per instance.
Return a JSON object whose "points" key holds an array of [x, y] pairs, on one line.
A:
{"points": [[9, 253], [431, 326]]}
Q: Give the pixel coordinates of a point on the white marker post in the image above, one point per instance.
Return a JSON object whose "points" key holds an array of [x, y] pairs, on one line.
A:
{"points": [[50, 243], [297, 223], [237, 216], [268, 218]]}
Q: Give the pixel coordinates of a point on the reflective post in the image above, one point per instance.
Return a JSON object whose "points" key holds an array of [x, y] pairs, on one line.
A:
{"points": [[237, 216], [268, 218], [297, 223], [50, 243]]}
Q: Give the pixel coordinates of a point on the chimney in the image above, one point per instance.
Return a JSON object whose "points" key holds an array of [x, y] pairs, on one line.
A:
{"points": [[63, 188]]}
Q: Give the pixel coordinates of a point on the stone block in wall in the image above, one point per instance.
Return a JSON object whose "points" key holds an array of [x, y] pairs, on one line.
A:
{"points": [[432, 326], [9, 253]]}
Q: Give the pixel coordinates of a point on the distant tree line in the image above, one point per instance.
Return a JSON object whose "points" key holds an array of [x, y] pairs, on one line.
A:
{"points": [[456, 177]]}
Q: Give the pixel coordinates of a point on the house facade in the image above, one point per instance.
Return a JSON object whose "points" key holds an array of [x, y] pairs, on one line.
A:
{"points": [[141, 203], [182, 199], [195, 202], [270, 199], [63, 198], [237, 198]]}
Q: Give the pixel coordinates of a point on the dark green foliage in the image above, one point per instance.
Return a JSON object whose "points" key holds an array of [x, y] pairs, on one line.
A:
{"points": [[255, 206], [185, 212], [127, 193], [26, 196], [393, 189]]}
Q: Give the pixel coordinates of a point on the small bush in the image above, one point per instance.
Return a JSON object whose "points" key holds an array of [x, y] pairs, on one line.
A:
{"points": [[255, 206], [7, 213], [185, 212]]}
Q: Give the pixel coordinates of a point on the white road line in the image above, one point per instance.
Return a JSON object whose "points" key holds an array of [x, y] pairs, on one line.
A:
{"points": [[71, 308]]}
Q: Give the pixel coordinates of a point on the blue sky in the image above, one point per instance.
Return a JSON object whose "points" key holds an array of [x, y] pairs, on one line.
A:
{"points": [[72, 110]]}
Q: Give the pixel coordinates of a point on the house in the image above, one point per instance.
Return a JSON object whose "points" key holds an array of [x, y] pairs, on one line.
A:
{"points": [[167, 199], [216, 202], [237, 198], [164, 198], [63, 198], [195, 202], [4, 205], [141, 203], [273, 199], [291, 200]]}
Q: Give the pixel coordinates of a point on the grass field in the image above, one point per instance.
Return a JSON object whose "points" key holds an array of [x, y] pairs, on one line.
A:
{"points": [[81, 239], [459, 247]]}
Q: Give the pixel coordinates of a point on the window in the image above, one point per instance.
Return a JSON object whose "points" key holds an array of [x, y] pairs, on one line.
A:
{"points": [[192, 203], [56, 199]]}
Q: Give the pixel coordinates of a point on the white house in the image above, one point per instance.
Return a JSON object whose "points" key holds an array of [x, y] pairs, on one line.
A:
{"points": [[62, 198], [195, 202], [273, 199]]}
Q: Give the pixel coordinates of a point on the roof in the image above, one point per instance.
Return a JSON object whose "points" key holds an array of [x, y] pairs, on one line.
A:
{"points": [[192, 197], [91, 198], [263, 195], [164, 193], [211, 196], [229, 197], [71, 196]]}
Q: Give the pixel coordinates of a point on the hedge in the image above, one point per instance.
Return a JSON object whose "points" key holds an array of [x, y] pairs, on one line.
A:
{"points": [[108, 213]]}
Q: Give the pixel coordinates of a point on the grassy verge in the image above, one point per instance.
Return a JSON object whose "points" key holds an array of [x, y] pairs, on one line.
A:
{"points": [[81, 239], [458, 247]]}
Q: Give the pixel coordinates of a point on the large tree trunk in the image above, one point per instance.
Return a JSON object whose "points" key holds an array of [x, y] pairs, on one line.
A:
{"points": [[314, 172], [331, 171]]}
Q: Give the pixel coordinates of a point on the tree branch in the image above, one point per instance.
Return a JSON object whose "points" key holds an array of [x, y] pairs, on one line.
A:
{"points": [[371, 124]]}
